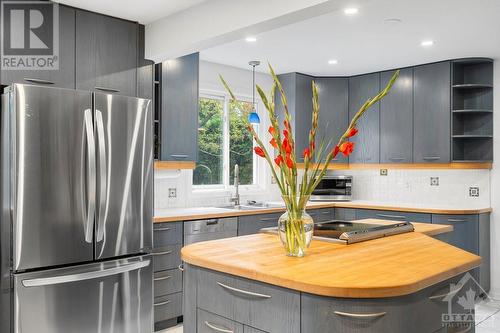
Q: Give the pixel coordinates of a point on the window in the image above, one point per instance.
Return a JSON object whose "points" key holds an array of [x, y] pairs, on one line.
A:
{"points": [[223, 141]]}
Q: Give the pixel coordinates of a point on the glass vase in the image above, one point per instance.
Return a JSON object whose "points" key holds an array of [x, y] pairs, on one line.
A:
{"points": [[295, 227]]}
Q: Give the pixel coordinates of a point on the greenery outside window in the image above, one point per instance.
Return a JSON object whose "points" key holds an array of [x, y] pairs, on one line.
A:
{"points": [[223, 141]]}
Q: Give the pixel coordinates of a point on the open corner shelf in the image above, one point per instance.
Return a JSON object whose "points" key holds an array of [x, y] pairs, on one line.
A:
{"points": [[472, 110]]}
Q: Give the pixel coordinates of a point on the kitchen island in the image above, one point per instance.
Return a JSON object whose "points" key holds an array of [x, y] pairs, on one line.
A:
{"points": [[394, 284]]}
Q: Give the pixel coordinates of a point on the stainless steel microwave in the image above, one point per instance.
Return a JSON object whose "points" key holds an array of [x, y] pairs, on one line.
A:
{"points": [[333, 188]]}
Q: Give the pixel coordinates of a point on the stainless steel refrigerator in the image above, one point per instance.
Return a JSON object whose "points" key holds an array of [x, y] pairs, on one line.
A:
{"points": [[77, 211]]}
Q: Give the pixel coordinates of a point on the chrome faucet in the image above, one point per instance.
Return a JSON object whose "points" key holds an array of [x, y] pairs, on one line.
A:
{"points": [[236, 198]]}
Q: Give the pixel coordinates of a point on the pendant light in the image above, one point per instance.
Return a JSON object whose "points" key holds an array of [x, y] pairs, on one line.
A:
{"points": [[253, 117]]}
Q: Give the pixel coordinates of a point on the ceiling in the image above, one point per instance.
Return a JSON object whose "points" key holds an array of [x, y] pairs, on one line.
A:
{"points": [[143, 11], [365, 42]]}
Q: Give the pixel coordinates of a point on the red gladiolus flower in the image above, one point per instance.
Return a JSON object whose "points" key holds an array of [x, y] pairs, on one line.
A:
{"points": [[289, 162], [286, 123], [259, 151], [352, 132], [307, 153], [286, 146], [336, 151], [285, 133], [347, 148], [273, 143], [272, 130], [278, 160]]}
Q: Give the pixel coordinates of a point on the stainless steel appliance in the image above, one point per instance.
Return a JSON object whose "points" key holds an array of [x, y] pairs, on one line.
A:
{"points": [[333, 188], [77, 211], [205, 230], [353, 232]]}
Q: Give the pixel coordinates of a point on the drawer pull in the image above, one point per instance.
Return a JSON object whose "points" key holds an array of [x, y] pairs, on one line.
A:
{"points": [[217, 329], [249, 293], [181, 267], [38, 81], [161, 253], [397, 158], [326, 213], [451, 292], [161, 303], [431, 158], [267, 219], [162, 278], [212, 222], [456, 220], [163, 229], [106, 89], [400, 217], [360, 315], [179, 156]]}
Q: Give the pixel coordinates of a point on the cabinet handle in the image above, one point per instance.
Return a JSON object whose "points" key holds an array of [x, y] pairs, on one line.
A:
{"points": [[107, 89], [400, 217], [161, 303], [212, 222], [163, 229], [267, 218], [360, 315], [162, 278], [451, 292], [397, 158], [456, 220], [38, 81], [327, 212], [217, 329], [161, 253], [179, 156], [431, 158], [181, 267], [244, 292]]}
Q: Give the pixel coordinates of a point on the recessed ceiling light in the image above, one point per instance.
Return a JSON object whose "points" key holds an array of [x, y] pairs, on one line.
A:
{"points": [[333, 62], [351, 11], [427, 43], [251, 39]]}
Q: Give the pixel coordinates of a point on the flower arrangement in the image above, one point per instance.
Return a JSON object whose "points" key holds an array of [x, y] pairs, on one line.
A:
{"points": [[295, 226]]}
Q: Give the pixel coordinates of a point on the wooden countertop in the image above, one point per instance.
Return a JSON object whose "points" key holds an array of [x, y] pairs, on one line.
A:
{"points": [[385, 267], [187, 214]]}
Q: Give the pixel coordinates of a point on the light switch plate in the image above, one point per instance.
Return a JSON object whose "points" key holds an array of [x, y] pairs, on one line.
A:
{"points": [[434, 181], [473, 191], [172, 192]]}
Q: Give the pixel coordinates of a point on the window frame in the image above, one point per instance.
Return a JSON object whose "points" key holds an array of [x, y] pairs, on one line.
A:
{"points": [[227, 184]]}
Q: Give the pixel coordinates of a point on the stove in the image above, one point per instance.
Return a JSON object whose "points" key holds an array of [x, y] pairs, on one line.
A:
{"points": [[344, 232]]}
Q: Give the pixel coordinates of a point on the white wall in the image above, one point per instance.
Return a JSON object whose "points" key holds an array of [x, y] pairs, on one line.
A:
{"points": [[495, 190]]}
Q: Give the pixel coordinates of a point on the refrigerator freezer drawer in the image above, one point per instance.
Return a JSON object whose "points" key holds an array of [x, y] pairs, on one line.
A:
{"points": [[112, 296]]}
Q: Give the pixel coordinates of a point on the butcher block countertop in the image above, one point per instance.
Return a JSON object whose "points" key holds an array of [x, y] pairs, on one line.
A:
{"points": [[385, 267], [198, 213]]}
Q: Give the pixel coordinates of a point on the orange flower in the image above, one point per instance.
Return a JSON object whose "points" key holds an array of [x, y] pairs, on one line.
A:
{"points": [[273, 143], [259, 151], [336, 151], [352, 132], [307, 153], [271, 130], [347, 148], [286, 123], [285, 133], [289, 162], [286, 146], [278, 160]]}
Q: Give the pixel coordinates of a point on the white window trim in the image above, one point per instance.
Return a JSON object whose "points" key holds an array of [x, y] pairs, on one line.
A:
{"points": [[259, 179]]}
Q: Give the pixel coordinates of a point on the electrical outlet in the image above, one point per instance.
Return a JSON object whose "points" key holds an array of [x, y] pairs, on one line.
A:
{"points": [[434, 181], [383, 172], [473, 191], [172, 192]]}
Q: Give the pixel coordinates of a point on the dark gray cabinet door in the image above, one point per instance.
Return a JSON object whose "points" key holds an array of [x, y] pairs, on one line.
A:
{"points": [[334, 112], [396, 119], [367, 141], [106, 53], [64, 77], [303, 113], [251, 224], [144, 69], [465, 233], [179, 128], [431, 113]]}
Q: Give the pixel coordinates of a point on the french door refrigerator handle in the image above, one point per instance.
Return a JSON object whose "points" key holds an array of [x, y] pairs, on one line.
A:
{"points": [[102, 175], [39, 282], [91, 171]]}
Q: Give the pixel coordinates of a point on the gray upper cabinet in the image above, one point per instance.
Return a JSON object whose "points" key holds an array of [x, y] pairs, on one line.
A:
{"points": [[396, 119], [64, 77], [179, 130], [334, 112], [431, 113], [106, 53], [367, 141], [144, 69]]}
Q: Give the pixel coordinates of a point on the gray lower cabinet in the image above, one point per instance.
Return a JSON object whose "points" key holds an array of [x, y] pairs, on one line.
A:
{"points": [[207, 322], [106, 53], [251, 224], [64, 77], [431, 113], [334, 114], [322, 214], [396, 118], [248, 329], [345, 214], [367, 142], [180, 91], [393, 216]]}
